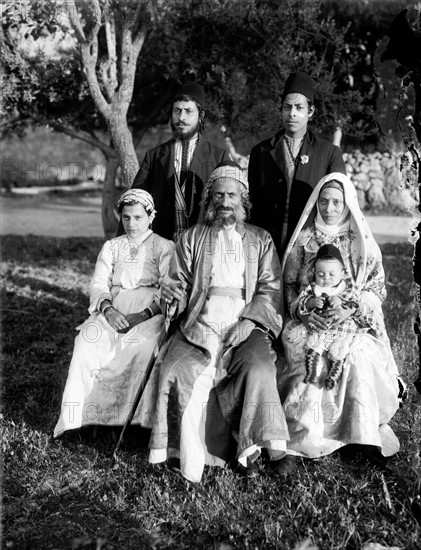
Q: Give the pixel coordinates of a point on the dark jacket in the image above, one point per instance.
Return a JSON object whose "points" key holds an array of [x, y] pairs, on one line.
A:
{"points": [[268, 183], [156, 175]]}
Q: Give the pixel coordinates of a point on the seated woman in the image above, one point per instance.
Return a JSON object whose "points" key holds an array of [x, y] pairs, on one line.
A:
{"points": [[115, 344], [358, 408]]}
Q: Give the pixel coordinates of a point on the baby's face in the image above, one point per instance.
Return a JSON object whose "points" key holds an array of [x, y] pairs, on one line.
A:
{"points": [[328, 272]]}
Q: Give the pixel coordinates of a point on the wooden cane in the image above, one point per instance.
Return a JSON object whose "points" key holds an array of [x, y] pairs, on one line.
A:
{"points": [[164, 331]]}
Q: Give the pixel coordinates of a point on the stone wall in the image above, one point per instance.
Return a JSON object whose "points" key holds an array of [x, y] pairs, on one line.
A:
{"points": [[378, 183], [381, 187]]}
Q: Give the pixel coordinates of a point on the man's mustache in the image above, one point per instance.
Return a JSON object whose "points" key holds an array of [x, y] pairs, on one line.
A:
{"points": [[225, 209]]}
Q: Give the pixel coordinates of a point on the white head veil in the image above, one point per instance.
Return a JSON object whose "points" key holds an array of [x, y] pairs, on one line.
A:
{"points": [[362, 240]]}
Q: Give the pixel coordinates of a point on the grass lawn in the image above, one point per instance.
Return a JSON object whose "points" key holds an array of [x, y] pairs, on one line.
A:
{"points": [[60, 494]]}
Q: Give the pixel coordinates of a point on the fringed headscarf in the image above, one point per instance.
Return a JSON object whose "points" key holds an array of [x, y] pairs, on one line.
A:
{"points": [[362, 243], [138, 195]]}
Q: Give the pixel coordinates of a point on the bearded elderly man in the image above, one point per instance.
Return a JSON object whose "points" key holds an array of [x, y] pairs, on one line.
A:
{"points": [[218, 378]]}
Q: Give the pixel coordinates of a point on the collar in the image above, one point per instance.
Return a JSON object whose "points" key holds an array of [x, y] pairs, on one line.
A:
{"points": [[193, 139], [308, 137], [240, 227]]}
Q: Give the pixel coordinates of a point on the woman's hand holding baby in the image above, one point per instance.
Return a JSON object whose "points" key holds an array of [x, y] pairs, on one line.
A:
{"points": [[337, 314]]}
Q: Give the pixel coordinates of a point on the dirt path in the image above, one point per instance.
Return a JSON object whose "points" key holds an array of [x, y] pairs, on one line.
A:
{"points": [[78, 216]]}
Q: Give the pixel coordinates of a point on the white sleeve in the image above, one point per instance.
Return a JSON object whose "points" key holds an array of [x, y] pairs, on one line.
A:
{"points": [[101, 282]]}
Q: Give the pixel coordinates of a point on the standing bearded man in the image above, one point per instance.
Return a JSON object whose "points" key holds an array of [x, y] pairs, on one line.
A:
{"points": [[218, 378], [175, 172]]}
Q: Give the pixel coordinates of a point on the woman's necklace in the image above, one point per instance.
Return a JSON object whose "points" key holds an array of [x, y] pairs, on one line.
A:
{"points": [[133, 250]]}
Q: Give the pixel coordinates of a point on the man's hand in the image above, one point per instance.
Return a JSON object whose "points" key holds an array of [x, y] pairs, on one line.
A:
{"points": [[173, 291], [239, 333]]}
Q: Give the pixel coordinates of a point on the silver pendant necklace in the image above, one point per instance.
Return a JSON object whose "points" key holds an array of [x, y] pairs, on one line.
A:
{"points": [[133, 250]]}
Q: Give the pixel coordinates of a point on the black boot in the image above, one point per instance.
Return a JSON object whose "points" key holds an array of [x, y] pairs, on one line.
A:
{"points": [[284, 467], [314, 363], [335, 370]]}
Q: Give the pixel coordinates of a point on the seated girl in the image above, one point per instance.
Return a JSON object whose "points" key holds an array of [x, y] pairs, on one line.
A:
{"points": [[116, 342]]}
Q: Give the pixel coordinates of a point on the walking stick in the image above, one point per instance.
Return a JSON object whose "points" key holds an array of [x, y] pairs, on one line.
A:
{"points": [[164, 331]]}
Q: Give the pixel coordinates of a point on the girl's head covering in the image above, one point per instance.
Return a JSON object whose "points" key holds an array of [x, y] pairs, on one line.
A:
{"points": [[138, 196], [354, 225]]}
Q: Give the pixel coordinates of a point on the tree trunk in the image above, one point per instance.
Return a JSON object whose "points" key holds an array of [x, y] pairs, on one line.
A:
{"points": [[337, 136], [123, 143], [109, 197], [417, 250]]}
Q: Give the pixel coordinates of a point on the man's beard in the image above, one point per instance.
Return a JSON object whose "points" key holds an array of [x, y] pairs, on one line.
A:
{"points": [[217, 220], [184, 136]]}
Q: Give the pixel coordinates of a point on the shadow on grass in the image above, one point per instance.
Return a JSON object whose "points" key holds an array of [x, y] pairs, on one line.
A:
{"points": [[46, 251], [44, 299]]}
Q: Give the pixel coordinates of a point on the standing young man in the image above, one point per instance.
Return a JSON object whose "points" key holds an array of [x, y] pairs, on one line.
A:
{"points": [[175, 172], [284, 169]]}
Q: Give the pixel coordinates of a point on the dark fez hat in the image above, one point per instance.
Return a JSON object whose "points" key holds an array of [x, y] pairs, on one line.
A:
{"points": [[194, 90], [299, 83], [329, 251]]}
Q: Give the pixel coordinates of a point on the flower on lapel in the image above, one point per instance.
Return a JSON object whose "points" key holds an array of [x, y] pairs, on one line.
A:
{"points": [[304, 159]]}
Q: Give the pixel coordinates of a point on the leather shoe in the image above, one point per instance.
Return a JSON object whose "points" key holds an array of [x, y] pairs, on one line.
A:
{"points": [[252, 469], [285, 466], [174, 464]]}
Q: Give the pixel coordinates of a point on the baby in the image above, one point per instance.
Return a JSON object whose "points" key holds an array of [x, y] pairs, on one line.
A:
{"points": [[330, 290]]}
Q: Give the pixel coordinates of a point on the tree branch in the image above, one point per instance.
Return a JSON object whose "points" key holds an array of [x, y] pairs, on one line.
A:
{"points": [[109, 68], [13, 122], [131, 45], [75, 21], [96, 11], [89, 51], [140, 7], [84, 136]]}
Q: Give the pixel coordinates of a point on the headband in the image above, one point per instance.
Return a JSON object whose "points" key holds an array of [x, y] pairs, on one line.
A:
{"points": [[138, 195], [334, 184]]}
